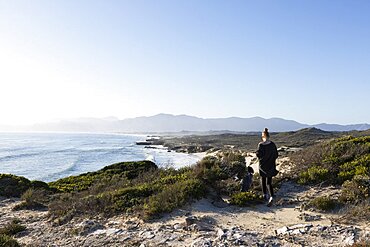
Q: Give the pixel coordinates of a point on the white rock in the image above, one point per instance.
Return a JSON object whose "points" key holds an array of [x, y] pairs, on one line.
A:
{"points": [[112, 231], [177, 227], [283, 230], [220, 233], [148, 235], [349, 240]]}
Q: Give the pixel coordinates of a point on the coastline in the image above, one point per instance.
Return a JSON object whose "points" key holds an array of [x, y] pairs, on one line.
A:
{"points": [[50, 156]]}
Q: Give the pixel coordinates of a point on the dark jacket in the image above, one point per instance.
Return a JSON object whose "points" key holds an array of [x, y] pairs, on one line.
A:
{"points": [[247, 182], [267, 154]]}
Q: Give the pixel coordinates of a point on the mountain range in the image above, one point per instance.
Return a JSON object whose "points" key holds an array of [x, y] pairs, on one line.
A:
{"points": [[178, 123]]}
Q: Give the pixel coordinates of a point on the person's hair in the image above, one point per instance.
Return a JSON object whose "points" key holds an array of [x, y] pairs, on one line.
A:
{"points": [[266, 132]]}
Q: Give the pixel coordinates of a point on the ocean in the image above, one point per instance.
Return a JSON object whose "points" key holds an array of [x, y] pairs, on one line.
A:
{"points": [[50, 156]]}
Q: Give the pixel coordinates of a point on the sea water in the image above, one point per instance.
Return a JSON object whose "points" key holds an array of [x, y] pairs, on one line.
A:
{"points": [[50, 156]]}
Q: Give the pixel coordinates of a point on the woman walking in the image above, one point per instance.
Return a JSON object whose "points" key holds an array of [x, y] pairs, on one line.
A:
{"points": [[267, 154]]}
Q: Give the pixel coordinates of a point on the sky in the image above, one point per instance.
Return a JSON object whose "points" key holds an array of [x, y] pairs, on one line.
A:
{"points": [[303, 60]]}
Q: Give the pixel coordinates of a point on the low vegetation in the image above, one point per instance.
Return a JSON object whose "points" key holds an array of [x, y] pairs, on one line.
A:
{"points": [[335, 161], [343, 162], [34, 199], [8, 231], [8, 241], [12, 228], [133, 187], [323, 203], [15, 186], [248, 198], [125, 171]]}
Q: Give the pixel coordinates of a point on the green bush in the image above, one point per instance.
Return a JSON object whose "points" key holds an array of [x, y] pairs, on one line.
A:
{"points": [[246, 198], [208, 169], [344, 157], [324, 203], [13, 186], [122, 194], [8, 241], [124, 170], [12, 228], [127, 198], [355, 190], [33, 199], [174, 196], [314, 174], [359, 166], [356, 212], [214, 169]]}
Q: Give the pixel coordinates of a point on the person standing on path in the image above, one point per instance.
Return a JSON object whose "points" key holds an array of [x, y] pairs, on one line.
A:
{"points": [[267, 154]]}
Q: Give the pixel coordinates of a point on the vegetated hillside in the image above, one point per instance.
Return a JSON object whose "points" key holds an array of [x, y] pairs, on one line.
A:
{"points": [[248, 142], [139, 188], [303, 137], [343, 161]]}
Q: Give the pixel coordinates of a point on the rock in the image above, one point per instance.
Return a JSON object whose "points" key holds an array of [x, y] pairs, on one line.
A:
{"points": [[221, 234], [201, 227], [190, 220], [283, 230], [348, 241], [113, 231], [147, 235], [201, 242], [308, 217], [178, 226], [300, 226], [88, 226]]}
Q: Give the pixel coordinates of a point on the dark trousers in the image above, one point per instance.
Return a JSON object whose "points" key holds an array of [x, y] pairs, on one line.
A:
{"points": [[267, 183]]}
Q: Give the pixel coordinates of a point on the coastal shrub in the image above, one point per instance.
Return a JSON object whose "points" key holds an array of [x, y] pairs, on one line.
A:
{"points": [[324, 203], [105, 184], [344, 157], [33, 199], [35, 184], [126, 195], [355, 190], [174, 196], [314, 174], [125, 170], [8, 241], [228, 186], [359, 166], [213, 169], [127, 198], [12, 228], [13, 186], [246, 198], [356, 212], [68, 205], [208, 169]]}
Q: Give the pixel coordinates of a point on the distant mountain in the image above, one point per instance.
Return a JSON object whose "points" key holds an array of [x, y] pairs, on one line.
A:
{"points": [[176, 123], [337, 127]]}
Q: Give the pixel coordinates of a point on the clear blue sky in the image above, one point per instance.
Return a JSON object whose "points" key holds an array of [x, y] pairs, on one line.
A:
{"points": [[302, 60]]}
